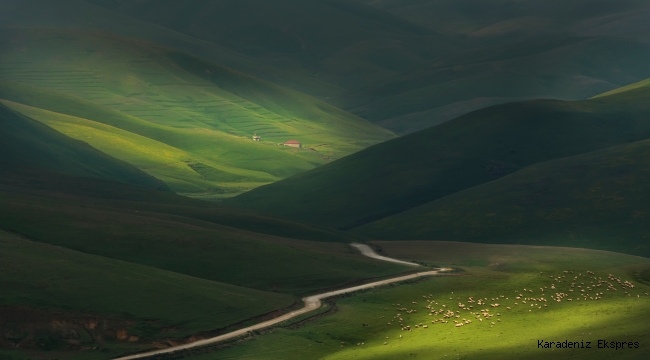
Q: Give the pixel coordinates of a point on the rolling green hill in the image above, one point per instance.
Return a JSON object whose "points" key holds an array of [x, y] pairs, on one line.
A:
{"points": [[44, 284], [26, 143], [336, 41], [79, 14], [181, 119], [518, 50], [474, 149], [113, 268], [597, 200], [173, 233]]}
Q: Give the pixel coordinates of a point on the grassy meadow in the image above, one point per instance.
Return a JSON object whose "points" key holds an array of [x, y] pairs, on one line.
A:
{"points": [[195, 119], [497, 274], [49, 283]]}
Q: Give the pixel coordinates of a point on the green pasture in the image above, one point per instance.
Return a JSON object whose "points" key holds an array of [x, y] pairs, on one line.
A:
{"points": [[51, 278], [129, 95], [486, 271]]}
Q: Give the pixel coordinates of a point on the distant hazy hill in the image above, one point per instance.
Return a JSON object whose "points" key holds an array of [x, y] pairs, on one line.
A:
{"points": [[597, 200], [517, 50], [26, 143], [336, 41], [403, 64], [474, 149], [79, 14], [179, 118]]}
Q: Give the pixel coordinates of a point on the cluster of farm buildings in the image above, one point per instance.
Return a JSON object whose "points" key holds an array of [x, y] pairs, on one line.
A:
{"points": [[291, 143]]}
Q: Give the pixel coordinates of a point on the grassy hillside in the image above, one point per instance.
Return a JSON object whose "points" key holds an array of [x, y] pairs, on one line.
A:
{"points": [[566, 68], [502, 19], [519, 50], [83, 15], [181, 119], [497, 274], [172, 233], [298, 35], [597, 200], [401, 174], [25, 142], [44, 284]]}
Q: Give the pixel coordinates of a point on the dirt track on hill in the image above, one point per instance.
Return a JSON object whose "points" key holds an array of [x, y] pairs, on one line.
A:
{"points": [[312, 302], [367, 251]]}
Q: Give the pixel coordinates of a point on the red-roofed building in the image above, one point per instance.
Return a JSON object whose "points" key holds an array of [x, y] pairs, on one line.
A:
{"points": [[293, 143]]}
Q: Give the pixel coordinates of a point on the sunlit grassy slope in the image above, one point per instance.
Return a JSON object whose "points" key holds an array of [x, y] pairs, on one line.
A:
{"points": [[70, 284], [193, 119], [497, 274], [25, 142], [471, 150]]}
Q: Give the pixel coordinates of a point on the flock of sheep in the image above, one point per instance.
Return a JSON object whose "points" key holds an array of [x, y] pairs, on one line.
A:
{"points": [[567, 287]]}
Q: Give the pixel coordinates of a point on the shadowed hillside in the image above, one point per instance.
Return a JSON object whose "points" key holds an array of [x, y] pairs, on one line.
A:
{"points": [[597, 200], [335, 41], [79, 14], [62, 301], [471, 150], [519, 50]]}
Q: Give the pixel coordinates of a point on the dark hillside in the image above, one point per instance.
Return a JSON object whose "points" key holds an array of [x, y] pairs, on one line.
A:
{"points": [[177, 234], [597, 200], [518, 50], [339, 42], [471, 150]]}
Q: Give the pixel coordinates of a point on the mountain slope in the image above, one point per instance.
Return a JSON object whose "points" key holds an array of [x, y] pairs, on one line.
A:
{"points": [[26, 143], [79, 14], [597, 200], [200, 117], [174, 233], [398, 175], [44, 284], [339, 42], [517, 50]]}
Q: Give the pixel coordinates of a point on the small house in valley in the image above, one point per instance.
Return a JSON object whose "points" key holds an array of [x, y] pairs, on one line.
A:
{"points": [[293, 143]]}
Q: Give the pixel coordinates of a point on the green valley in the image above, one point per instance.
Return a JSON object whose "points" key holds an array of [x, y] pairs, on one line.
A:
{"points": [[199, 144], [324, 179], [471, 150]]}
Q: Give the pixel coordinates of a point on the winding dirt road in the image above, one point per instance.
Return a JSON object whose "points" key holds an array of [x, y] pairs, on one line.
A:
{"points": [[311, 303], [367, 251]]}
